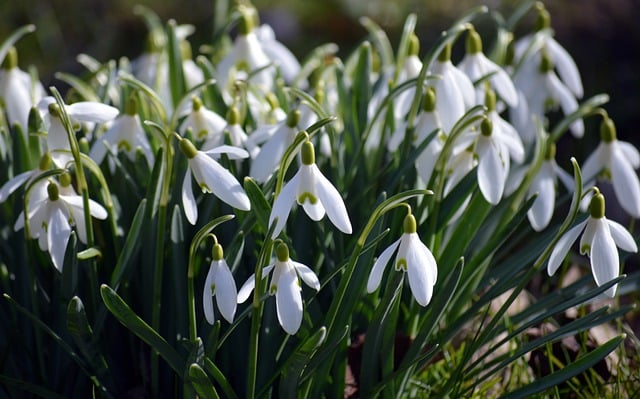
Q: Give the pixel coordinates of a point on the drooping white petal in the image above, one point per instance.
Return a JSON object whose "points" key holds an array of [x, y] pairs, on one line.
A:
{"points": [[276, 51], [207, 296], [541, 211], [621, 236], [219, 180], [12, 185], [508, 136], [625, 184], [289, 301], [226, 292], [95, 209], [282, 205], [247, 287], [188, 199], [375, 276], [232, 152], [491, 175], [562, 247], [567, 101], [605, 264], [503, 85], [426, 161], [270, 156], [566, 66], [58, 232], [332, 202], [595, 162], [420, 269], [90, 111], [630, 153], [307, 275]]}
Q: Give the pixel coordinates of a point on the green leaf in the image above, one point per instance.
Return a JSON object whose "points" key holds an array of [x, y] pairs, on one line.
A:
{"points": [[24, 386], [201, 382], [176, 74], [131, 246], [13, 38], [380, 40], [84, 90], [585, 109], [200, 236], [119, 308], [260, 207], [295, 365], [567, 372], [89, 253]]}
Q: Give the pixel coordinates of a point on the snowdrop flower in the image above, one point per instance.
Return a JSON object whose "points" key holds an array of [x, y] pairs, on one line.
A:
{"points": [[529, 49], [314, 192], [247, 55], [476, 66], [286, 287], [219, 283], [232, 129], [600, 237], [497, 143], [414, 258], [205, 124], [616, 160], [410, 70], [455, 92], [286, 62], [84, 111], [18, 92], [542, 88], [25, 177], [544, 186], [211, 177], [126, 133], [50, 221], [277, 140]]}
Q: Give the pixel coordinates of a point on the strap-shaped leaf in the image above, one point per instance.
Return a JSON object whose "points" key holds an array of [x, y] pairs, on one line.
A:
{"points": [[201, 382]]}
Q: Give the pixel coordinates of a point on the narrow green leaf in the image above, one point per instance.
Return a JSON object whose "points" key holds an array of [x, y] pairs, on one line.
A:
{"points": [[89, 253], [119, 308], [84, 90], [585, 109], [566, 372], [201, 382], [176, 74], [220, 379], [131, 246], [295, 365], [13, 38], [260, 207], [380, 40], [25, 386]]}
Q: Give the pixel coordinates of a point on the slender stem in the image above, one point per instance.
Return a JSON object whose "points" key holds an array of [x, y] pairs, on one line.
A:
{"points": [[191, 303], [256, 318]]}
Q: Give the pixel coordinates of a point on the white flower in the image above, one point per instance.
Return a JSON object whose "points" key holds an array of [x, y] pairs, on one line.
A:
{"points": [[414, 258], [25, 177], [84, 111], [544, 186], [276, 141], [279, 53], [617, 159], [529, 48], [541, 87], [212, 178], [220, 283], [286, 286], [314, 192], [454, 91], [476, 66], [50, 221], [18, 92], [126, 133], [410, 70], [599, 241], [232, 129], [246, 56], [205, 124]]}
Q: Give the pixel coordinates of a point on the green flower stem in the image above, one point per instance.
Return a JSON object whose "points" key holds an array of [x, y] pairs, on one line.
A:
{"points": [[256, 317], [156, 296]]}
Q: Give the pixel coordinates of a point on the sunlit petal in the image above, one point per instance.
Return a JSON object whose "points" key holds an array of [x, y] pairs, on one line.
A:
{"points": [[375, 276], [562, 247]]}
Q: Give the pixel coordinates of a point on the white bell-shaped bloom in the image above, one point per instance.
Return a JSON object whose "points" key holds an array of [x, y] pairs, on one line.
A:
{"points": [[544, 186], [219, 283], [542, 88], [211, 178], [314, 192], [25, 178], [414, 258], [232, 129], [247, 59], [285, 284], [125, 134], [204, 123], [18, 92], [51, 218], [410, 70], [80, 112], [283, 57], [618, 160], [454, 91], [600, 239], [276, 141], [477, 66], [529, 49]]}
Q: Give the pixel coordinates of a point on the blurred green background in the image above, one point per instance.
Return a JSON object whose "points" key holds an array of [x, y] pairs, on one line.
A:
{"points": [[602, 35]]}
